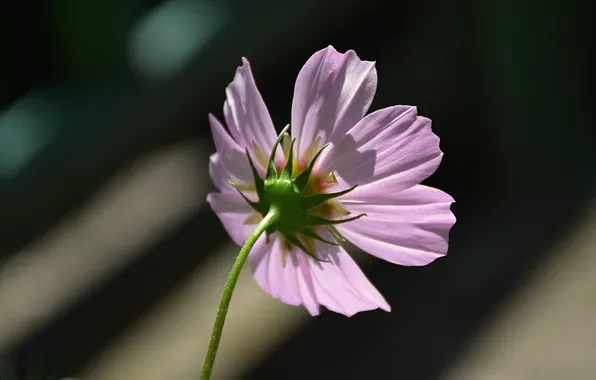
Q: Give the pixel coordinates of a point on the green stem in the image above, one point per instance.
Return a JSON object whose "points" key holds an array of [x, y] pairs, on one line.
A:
{"points": [[220, 319]]}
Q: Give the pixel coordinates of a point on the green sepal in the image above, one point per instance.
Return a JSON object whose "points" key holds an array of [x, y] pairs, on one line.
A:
{"points": [[259, 183], [312, 234], [313, 220], [336, 234], [255, 205], [313, 201], [271, 171], [287, 172], [302, 180], [295, 241]]}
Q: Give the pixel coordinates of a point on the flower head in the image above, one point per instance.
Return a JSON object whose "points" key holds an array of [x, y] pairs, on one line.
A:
{"points": [[339, 176]]}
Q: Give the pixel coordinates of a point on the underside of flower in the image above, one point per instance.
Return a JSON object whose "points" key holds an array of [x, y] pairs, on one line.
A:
{"points": [[303, 191], [298, 196]]}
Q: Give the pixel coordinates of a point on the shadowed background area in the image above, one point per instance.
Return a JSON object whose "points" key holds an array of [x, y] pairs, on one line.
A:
{"points": [[112, 264]]}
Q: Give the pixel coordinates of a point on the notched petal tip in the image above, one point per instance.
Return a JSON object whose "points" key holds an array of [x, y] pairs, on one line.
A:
{"points": [[446, 198], [350, 53]]}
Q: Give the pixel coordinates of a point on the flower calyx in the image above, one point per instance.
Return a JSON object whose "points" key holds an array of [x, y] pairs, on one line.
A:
{"points": [[282, 192]]}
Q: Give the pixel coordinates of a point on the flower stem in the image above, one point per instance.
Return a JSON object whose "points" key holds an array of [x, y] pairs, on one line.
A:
{"points": [[220, 319]]}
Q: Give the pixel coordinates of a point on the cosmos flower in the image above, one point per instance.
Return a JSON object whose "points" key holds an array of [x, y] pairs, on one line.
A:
{"points": [[357, 176]]}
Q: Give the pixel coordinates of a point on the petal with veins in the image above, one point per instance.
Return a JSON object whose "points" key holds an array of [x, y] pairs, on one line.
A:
{"points": [[333, 91], [291, 283], [248, 116], [232, 211], [233, 160], [412, 228], [393, 144], [340, 284]]}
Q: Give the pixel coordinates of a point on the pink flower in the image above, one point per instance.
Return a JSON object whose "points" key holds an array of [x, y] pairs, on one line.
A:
{"points": [[387, 153]]}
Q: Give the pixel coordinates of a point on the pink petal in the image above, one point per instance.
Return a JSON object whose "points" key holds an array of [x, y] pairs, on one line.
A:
{"points": [[231, 124], [247, 115], [340, 285], [218, 174], [409, 227], [233, 160], [232, 211], [292, 283], [333, 91], [392, 144], [281, 282]]}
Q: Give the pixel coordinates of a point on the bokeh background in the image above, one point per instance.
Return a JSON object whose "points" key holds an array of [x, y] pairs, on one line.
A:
{"points": [[112, 264]]}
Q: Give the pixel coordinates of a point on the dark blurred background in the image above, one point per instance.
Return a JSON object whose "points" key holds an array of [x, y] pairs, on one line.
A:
{"points": [[112, 264]]}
